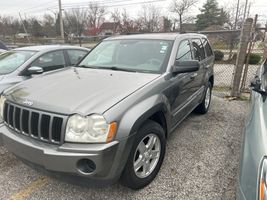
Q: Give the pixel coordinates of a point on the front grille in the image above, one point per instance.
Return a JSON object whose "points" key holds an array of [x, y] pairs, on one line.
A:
{"points": [[40, 125]]}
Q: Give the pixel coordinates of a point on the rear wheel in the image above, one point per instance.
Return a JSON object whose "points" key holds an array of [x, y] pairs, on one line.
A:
{"points": [[146, 156], [203, 107]]}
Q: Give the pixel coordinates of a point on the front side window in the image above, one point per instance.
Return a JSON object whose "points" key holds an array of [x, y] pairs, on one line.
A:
{"points": [[11, 60], [136, 55], [199, 52], [50, 61], [184, 51]]}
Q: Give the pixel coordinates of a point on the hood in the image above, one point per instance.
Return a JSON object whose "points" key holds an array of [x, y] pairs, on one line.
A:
{"points": [[78, 90]]}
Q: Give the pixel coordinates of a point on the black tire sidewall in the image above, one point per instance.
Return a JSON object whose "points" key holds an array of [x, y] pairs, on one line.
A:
{"points": [[208, 86], [201, 108], [129, 178]]}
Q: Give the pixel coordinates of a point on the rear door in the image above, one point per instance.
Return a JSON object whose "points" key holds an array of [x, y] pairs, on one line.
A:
{"points": [[209, 61], [199, 54]]}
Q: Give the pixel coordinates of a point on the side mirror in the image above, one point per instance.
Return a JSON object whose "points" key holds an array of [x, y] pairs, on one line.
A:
{"points": [[185, 66], [35, 70], [256, 86]]}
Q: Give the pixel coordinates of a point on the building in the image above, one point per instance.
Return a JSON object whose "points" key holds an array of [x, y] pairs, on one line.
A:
{"points": [[109, 28]]}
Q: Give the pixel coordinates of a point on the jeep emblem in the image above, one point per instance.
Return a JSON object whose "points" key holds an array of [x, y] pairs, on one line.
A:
{"points": [[27, 102]]}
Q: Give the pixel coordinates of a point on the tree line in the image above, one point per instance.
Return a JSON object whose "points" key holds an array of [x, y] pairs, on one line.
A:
{"points": [[149, 19]]}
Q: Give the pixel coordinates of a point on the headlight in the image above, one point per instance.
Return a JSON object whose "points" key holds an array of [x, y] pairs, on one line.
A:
{"points": [[263, 181], [2, 103], [89, 129]]}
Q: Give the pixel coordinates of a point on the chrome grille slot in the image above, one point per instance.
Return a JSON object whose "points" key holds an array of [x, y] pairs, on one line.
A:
{"points": [[10, 115], [34, 123], [17, 118], [56, 127], [25, 121], [45, 121], [40, 125]]}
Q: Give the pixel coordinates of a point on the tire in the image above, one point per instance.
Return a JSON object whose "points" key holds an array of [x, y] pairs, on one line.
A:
{"points": [[139, 178], [204, 106]]}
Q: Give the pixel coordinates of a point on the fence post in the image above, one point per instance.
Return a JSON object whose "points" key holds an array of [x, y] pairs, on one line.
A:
{"points": [[249, 50], [241, 56]]}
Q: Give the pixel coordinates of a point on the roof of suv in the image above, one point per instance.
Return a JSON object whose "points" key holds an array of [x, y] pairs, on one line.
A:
{"points": [[49, 48], [156, 36]]}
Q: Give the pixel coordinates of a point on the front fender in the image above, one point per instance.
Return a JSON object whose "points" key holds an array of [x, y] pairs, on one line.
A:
{"points": [[136, 115]]}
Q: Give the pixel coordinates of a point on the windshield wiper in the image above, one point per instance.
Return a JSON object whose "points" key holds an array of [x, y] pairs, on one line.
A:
{"points": [[105, 67], [117, 69], [86, 66]]}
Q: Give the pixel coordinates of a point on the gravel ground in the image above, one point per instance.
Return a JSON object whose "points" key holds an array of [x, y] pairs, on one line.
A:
{"points": [[201, 162]]}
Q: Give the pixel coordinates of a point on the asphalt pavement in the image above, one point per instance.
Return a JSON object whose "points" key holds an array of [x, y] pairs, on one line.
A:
{"points": [[201, 162]]}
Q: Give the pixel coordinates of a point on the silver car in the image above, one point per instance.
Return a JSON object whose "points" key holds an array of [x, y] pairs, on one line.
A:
{"points": [[252, 181], [110, 115], [20, 64]]}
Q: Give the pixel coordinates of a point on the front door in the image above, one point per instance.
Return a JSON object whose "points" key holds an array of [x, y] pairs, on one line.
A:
{"points": [[183, 85]]}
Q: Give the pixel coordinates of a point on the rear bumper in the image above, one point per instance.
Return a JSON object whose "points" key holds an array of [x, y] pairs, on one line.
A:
{"points": [[109, 159]]}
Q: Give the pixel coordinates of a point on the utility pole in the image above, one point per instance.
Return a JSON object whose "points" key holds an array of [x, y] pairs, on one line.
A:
{"points": [[236, 14], [245, 11], [245, 73], [61, 20], [249, 6], [241, 56], [25, 30]]}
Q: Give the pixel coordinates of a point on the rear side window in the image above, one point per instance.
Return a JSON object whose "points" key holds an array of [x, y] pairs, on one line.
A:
{"points": [[199, 52], [184, 51], [75, 56], [207, 47]]}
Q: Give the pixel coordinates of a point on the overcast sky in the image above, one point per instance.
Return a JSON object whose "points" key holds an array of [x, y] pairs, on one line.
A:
{"points": [[39, 7]]}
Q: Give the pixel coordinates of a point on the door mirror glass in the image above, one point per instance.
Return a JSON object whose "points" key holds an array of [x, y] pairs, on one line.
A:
{"points": [[35, 70], [185, 66]]}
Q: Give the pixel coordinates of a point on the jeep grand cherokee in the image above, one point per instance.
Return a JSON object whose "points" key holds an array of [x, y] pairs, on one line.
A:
{"points": [[110, 115]]}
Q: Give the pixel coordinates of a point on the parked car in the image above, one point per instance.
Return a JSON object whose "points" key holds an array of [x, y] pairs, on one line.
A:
{"points": [[20, 64], [110, 116], [252, 181], [3, 46]]}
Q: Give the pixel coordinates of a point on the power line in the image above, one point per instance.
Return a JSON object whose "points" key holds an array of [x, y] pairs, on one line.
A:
{"points": [[38, 6]]}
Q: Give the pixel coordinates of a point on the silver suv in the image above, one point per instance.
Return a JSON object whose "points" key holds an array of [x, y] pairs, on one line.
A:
{"points": [[110, 115]]}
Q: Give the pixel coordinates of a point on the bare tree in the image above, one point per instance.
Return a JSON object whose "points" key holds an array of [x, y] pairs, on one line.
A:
{"points": [[234, 20], [127, 23], [96, 14], [149, 16], [48, 24], [230, 9], [116, 16], [76, 20], [9, 26], [180, 7]]}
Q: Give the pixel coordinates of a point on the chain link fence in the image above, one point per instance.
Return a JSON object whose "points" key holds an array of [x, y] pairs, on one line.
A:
{"points": [[225, 45]]}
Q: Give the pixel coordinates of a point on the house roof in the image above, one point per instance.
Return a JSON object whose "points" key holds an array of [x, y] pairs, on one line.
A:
{"points": [[109, 25]]}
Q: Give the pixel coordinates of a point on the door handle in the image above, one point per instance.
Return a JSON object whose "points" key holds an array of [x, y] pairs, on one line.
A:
{"points": [[193, 75]]}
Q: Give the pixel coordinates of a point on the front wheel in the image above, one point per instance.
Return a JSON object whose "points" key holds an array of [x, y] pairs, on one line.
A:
{"points": [[203, 107], [146, 156]]}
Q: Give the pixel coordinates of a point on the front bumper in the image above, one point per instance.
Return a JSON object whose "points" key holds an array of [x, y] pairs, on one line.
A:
{"points": [[109, 159]]}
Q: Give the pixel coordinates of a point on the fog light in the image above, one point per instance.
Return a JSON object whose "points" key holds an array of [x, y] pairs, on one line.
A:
{"points": [[86, 166]]}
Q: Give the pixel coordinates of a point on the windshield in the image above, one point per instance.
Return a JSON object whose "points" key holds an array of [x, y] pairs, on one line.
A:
{"points": [[11, 60], [130, 55]]}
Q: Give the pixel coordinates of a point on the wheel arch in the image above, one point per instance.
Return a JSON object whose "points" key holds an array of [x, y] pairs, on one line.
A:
{"points": [[154, 108]]}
